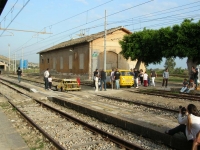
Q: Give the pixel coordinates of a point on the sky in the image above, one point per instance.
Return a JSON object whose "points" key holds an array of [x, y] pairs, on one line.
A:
{"points": [[62, 20]]}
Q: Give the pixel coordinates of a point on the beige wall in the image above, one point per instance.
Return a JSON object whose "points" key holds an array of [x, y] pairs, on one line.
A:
{"points": [[80, 57], [113, 58]]}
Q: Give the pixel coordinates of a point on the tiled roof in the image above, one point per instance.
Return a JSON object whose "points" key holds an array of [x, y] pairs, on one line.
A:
{"points": [[84, 39]]}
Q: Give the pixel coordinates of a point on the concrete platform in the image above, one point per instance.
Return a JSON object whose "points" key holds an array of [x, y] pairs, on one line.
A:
{"points": [[10, 139]]}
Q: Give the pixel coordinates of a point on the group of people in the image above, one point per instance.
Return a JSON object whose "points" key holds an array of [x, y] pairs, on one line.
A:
{"points": [[99, 80], [47, 80], [192, 83], [144, 78], [189, 124]]}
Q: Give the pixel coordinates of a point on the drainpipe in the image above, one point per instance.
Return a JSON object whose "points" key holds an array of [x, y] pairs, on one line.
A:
{"points": [[90, 61]]}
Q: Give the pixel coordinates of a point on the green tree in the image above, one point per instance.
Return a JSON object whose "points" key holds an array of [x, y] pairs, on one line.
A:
{"points": [[170, 64], [150, 46], [141, 46]]}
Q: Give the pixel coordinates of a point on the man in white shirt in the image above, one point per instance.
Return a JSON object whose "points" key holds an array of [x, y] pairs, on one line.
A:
{"points": [[46, 75]]}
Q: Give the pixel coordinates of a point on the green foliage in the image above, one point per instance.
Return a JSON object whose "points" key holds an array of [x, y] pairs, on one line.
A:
{"points": [[178, 71], [170, 64], [150, 46]]}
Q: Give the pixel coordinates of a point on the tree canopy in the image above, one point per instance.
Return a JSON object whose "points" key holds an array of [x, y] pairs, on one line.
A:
{"points": [[150, 46]]}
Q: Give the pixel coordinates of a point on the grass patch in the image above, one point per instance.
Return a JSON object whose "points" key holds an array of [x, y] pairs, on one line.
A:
{"points": [[4, 105]]}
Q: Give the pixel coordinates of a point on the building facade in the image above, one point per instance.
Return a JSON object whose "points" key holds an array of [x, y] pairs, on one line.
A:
{"points": [[83, 55]]}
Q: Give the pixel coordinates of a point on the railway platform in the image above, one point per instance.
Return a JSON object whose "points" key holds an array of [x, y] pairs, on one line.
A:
{"points": [[10, 139], [140, 125]]}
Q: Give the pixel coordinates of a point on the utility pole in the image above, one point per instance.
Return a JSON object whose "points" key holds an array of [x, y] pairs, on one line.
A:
{"points": [[9, 56], [22, 59], [15, 64], [105, 33]]}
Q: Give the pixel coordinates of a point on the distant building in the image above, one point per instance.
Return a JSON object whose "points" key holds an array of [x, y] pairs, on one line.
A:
{"points": [[83, 55], [34, 65]]}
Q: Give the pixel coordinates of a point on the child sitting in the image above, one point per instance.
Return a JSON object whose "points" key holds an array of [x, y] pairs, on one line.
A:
{"points": [[185, 85], [190, 87]]}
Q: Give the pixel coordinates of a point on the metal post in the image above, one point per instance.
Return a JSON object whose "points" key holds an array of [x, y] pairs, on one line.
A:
{"points": [[15, 63], [105, 32], [9, 57], [22, 59]]}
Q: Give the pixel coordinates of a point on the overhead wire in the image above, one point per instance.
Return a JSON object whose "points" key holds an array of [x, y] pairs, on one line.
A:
{"points": [[50, 26], [98, 19], [121, 11], [15, 17], [156, 24]]}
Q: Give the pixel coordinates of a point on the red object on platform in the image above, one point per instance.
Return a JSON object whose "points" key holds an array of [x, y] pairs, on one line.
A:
{"points": [[79, 81]]}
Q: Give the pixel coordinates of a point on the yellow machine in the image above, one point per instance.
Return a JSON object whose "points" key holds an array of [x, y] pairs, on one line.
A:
{"points": [[126, 79], [68, 85]]}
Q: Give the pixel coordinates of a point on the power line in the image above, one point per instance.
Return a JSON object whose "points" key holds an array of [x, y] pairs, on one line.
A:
{"points": [[15, 17], [132, 18], [99, 19]]}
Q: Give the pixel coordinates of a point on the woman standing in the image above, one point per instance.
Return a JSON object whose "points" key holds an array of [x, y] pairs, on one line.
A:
{"points": [[96, 80], [145, 77]]}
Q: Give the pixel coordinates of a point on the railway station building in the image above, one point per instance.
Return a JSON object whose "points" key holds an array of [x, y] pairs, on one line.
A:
{"points": [[83, 55]]}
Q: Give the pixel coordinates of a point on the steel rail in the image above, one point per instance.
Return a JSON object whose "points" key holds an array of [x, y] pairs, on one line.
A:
{"points": [[168, 94], [138, 103], [115, 139], [54, 142]]}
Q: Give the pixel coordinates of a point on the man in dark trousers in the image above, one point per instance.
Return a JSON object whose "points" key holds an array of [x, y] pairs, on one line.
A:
{"points": [[103, 79], [46, 75], [19, 73]]}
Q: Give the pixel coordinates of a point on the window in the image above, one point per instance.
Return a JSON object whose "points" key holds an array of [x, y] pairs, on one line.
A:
{"points": [[47, 60], [81, 61], [54, 63], [70, 61], [61, 62]]}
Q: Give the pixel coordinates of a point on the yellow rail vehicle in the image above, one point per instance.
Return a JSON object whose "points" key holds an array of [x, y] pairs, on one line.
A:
{"points": [[68, 85], [126, 79]]}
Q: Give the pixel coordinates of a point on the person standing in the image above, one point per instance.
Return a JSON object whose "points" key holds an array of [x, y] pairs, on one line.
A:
{"points": [[96, 78], [136, 74], [112, 79], [19, 73], [165, 78], [145, 77], [103, 79], [96, 72], [50, 82], [117, 77], [141, 76], [153, 76], [46, 75]]}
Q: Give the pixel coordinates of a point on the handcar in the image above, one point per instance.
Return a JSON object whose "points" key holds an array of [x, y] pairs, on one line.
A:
{"points": [[68, 85], [126, 79]]}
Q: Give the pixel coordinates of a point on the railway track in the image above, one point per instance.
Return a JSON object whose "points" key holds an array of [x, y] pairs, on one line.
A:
{"points": [[169, 94], [57, 127], [129, 101]]}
